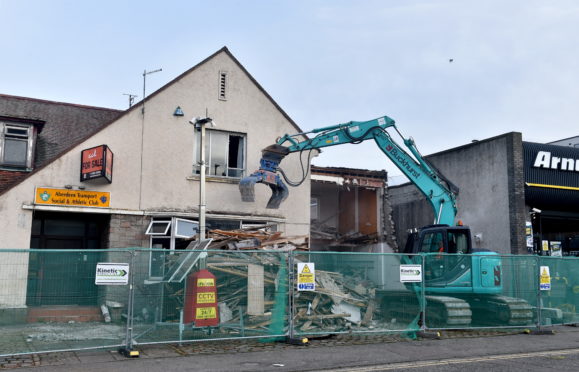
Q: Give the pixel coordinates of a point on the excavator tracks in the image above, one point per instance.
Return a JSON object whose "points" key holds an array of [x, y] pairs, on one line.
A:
{"points": [[447, 311], [502, 310], [454, 312], [441, 311]]}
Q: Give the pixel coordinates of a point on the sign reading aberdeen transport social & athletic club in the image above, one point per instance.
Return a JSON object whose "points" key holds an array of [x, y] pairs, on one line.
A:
{"points": [[72, 198]]}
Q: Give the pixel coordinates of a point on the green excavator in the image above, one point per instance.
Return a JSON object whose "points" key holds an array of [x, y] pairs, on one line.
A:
{"points": [[458, 283]]}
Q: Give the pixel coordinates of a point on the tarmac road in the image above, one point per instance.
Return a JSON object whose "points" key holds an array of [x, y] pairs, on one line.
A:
{"points": [[513, 352]]}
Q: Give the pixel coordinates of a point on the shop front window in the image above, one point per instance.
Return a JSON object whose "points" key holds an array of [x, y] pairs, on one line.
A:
{"points": [[166, 236]]}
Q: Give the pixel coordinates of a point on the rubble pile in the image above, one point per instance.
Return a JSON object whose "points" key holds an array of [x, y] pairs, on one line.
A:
{"points": [[340, 302], [256, 238]]}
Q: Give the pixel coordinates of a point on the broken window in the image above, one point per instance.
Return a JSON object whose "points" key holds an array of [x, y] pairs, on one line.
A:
{"points": [[224, 153], [168, 235]]}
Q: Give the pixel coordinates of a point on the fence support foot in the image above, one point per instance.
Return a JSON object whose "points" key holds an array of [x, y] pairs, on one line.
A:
{"points": [[428, 334], [129, 353], [543, 331], [299, 341]]}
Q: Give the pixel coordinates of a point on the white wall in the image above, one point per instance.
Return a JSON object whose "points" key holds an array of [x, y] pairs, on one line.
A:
{"points": [[161, 180]]}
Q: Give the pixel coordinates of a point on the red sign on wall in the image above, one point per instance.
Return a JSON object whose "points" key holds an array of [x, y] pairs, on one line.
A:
{"points": [[96, 163]]}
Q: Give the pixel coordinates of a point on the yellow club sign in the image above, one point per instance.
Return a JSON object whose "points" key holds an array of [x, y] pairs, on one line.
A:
{"points": [[72, 198]]}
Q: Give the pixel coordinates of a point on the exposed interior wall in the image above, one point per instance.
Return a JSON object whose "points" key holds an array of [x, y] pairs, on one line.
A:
{"points": [[348, 212]]}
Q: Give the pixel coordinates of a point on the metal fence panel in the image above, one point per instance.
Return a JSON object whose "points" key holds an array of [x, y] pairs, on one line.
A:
{"points": [[251, 296], [49, 301], [559, 299], [480, 290], [354, 293]]}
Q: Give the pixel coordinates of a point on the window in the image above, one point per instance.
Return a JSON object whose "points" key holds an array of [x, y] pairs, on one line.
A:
{"points": [[224, 153], [433, 243], [185, 228], [314, 208], [168, 235], [16, 145], [158, 228], [457, 242], [223, 85]]}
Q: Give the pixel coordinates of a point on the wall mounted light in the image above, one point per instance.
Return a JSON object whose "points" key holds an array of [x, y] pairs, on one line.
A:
{"points": [[178, 111]]}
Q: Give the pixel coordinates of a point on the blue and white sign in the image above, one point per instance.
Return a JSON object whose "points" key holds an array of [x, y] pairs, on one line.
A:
{"points": [[306, 276], [545, 279]]}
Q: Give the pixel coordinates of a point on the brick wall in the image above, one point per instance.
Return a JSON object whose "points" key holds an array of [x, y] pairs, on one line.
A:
{"points": [[517, 211], [127, 231], [8, 178]]}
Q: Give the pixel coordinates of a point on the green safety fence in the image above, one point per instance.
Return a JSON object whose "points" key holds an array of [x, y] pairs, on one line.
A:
{"points": [[49, 301], [59, 300], [243, 294], [559, 297], [353, 293], [480, 291]]}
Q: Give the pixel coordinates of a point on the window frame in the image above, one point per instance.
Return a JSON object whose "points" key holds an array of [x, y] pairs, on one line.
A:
{"points": [[153, 222], [314, 208], [176, 221], [28, 138], [209, 154]]}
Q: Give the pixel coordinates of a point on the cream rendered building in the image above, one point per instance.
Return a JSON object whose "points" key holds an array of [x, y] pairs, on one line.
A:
{"points": [[154, 176]]}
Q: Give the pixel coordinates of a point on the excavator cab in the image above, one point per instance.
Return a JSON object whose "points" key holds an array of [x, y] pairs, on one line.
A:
{"points": [[442, 269], [439, 239]]}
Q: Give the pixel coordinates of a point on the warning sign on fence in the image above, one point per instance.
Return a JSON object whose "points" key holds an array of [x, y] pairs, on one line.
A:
{"points": [[545, 279], [306, 276]]}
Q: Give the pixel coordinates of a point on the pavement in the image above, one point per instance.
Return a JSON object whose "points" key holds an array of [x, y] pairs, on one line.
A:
{"points": [[343, 352]]}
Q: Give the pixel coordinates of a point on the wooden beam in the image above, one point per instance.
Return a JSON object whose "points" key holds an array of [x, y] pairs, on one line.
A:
{"points": [[255, 290]]}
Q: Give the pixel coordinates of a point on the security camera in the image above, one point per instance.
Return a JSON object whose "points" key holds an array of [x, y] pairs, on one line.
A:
{"points": [[536, 210]]}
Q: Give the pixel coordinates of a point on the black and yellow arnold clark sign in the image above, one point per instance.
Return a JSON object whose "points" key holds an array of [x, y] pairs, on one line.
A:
{"points": [[72, 198]]}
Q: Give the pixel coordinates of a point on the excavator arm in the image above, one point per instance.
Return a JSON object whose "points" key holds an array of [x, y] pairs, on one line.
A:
{"points": [[440, 192]]}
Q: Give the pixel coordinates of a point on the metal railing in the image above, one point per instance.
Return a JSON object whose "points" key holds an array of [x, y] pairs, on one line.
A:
{"points": [[57, 300]]}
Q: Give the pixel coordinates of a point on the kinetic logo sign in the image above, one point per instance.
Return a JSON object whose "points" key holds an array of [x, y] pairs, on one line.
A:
{"points": [[410, 273], [112, 274]]}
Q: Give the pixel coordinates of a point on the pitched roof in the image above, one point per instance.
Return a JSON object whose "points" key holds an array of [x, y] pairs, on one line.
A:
{"points": [[52, 144], [65, 125], [226, 51]]}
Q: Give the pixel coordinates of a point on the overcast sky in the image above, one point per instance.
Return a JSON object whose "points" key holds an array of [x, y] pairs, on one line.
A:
{"points": [[515, 63]]}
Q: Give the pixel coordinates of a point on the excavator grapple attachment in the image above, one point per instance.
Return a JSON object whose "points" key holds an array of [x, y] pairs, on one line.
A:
{"points": [[271, 157]]}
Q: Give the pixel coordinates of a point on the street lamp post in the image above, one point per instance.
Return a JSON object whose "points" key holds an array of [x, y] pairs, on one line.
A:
{"points": [[200, 124]]}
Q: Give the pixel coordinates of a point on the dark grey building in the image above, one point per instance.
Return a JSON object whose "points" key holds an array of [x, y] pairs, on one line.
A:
{"points": [[517, 197]]}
